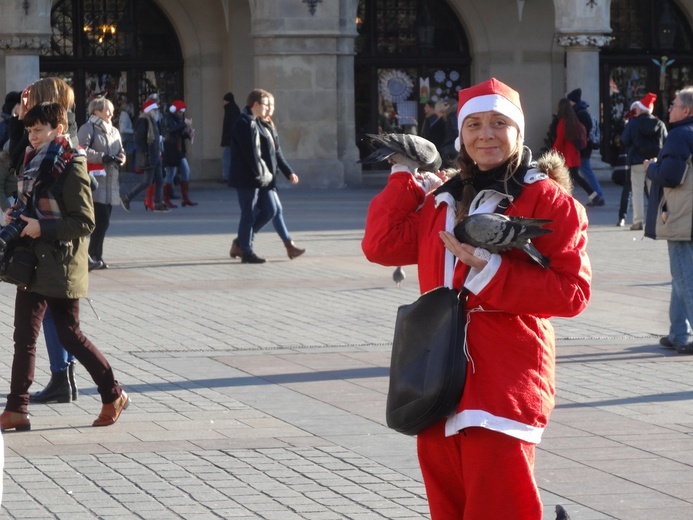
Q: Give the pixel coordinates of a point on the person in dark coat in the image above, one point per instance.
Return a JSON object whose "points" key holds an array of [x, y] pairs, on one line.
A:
{"points": [[580, 107], [231, 114], [643, 138], [253, 161]]}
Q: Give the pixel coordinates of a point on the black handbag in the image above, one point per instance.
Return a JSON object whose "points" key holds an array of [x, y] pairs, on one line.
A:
{"points": [[18, 266], [428, 365]]}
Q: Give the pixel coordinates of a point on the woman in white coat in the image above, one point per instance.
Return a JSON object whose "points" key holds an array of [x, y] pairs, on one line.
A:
{"points": [[105, 155]]}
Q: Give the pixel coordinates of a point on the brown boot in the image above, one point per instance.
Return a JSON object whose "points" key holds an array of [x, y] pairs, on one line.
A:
{"points": [[292, 250], [167, 197], [15, 421], [236, 250], [185, 200], [110, 412]]}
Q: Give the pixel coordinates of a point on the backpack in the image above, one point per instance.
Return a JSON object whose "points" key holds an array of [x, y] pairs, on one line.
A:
{"points": [[647, 146], [4, 132], [581, 139], [595, 137]]}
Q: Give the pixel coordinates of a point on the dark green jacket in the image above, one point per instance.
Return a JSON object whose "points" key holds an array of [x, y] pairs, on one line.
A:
{"points": [[62, 248]]}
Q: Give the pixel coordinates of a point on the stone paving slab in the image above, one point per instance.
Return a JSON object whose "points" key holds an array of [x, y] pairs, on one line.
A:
{"points": [[258, 392]]}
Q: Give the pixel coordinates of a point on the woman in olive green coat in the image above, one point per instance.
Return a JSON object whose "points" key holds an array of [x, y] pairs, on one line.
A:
{"points": [[54, 187]]}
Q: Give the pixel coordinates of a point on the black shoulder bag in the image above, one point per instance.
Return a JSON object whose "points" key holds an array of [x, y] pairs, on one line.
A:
{"points": [[428, 365]]}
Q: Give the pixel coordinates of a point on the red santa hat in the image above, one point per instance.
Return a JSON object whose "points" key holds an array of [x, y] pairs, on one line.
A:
{"points": [[646, 103], [177, 106], [490, 95], [149, 105]]}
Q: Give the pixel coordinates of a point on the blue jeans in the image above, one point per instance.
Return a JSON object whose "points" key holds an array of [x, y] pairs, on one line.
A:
{"points": [[272, 199], [256, 211], [184, 168], [58, 357], [681, 304], [590, 177]]}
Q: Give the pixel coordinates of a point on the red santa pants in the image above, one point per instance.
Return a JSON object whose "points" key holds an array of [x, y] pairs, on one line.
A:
{"points": [[478, 474]]}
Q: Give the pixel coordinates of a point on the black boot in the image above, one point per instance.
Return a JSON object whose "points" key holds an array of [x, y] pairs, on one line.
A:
{"points": [[71, 378], [57, 390]]}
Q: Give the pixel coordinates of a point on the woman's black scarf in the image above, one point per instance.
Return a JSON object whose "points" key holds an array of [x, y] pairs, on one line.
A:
{"points": [[491, 179]]}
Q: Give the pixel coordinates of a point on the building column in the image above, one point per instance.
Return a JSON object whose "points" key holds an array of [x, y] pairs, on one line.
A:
{"points": [[305, 57], [25, 30], [582, 65]]}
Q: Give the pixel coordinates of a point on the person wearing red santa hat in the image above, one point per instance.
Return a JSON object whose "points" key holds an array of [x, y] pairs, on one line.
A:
{"points": [[148, 159], [643, 138], [478, 463], [177, 130]]}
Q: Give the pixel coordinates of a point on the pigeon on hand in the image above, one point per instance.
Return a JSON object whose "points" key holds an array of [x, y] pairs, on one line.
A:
{"points": [[496, 232], [411, 150], [398, 276]]}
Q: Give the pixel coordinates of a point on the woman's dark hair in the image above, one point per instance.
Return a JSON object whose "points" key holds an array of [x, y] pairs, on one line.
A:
{"points": [[11, 100], [255, 96], [570, 119], [51, 114]]}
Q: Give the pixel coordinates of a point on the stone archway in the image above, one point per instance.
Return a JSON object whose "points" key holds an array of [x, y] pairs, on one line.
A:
{"points": [[652, 51], [407, 53], [122, 48]]}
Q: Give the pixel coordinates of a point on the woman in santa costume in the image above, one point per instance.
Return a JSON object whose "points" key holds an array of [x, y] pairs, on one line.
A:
{"points": [[479, 462]]}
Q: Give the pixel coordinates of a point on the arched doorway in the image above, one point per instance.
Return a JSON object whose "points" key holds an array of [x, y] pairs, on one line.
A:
{"points": [[407, 52], [119, 48], [651, 51]]}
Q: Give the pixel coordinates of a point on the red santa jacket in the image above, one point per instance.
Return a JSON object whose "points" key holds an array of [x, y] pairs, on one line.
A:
{"points": [[510, 381]]}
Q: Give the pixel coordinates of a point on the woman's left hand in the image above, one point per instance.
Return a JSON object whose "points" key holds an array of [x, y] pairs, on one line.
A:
{"points": [[293, 178], [32, 229], [464, 252]]}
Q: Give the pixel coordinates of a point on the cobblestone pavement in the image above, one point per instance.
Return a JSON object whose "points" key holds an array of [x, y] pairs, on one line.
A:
{"points": [[258, 391]]}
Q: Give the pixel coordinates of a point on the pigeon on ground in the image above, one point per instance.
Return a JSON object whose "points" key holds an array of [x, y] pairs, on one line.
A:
{"points": [[411, 150], [398, 276], [496, 232], [561, 513]]}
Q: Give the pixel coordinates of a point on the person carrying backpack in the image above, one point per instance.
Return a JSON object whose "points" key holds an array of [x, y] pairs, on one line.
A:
{"points": [[643, 139], [592, 127]]}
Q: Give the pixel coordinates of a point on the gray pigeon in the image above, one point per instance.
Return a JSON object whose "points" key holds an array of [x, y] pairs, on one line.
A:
{"points": [[398, 276], [411, 150], [495, 233], [561, 513]]}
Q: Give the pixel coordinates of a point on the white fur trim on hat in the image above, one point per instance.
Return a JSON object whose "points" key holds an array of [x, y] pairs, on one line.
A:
{"points": [[493, 102], [149, 107], [638, 104]]}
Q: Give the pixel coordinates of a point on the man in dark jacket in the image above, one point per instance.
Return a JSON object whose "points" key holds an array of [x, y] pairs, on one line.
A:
{"points": [[11, 101], [253, 162], [580, 107], [670, 216], [642, 138], [231, 114]]}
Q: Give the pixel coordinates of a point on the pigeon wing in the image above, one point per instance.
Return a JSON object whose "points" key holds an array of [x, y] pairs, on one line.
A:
{"points": [[496, 232]]}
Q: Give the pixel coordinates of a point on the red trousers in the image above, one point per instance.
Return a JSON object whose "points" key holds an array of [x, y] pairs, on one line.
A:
{"points": [[478, 474]]}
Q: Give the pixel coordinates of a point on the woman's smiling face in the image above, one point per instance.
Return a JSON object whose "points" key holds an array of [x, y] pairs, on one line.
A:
{"points": [[490, 138]]}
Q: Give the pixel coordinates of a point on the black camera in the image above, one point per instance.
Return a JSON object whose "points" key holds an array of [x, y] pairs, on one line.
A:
{"points": [[18, 261], [9, 235]]}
